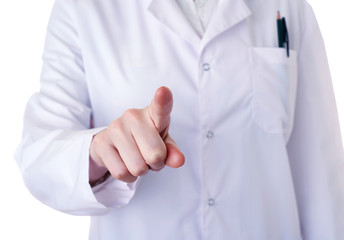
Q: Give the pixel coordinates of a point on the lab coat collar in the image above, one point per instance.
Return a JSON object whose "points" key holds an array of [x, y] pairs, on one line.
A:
{"points": [[225, 15], [172, 16]]}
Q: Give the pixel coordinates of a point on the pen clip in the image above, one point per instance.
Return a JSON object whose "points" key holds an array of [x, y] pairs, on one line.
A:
{"points": [[285, 35], [282, 31]]}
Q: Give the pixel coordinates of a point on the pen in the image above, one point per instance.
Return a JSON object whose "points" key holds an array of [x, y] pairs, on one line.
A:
{"points": [[286, 37], [279, 30], [282, 31]]}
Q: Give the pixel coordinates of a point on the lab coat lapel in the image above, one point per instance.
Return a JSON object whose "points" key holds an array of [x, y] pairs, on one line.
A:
{"points": [[172, 16], [226, 14]]}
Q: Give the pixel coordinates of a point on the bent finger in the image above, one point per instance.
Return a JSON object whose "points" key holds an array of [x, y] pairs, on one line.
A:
{"points": [[116, 166], [130, 154], [151, 146]]}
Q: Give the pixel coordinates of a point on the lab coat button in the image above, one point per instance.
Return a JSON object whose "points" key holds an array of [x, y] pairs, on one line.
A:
{"points": [[211, 202], [206, 66], [210, 134]]}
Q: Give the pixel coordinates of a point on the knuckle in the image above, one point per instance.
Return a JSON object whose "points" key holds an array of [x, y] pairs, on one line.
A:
{"points": [[114, 125], [139, 171], [157, 156], [99, 140], [116, 128], [120, 174], [132, 115]]}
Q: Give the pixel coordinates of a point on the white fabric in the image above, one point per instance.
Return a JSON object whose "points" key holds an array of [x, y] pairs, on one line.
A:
{"points": [[260, 132], [198, 13]]}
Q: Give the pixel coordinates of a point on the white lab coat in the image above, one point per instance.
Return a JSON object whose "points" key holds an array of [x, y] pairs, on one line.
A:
{"points": [[260, 132]]}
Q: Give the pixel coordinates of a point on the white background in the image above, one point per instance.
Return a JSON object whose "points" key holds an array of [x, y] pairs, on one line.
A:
{"points": [[22, 31]]}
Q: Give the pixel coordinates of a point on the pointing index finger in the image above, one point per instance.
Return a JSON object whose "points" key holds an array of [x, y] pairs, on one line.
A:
{"points": [[160, 108]]}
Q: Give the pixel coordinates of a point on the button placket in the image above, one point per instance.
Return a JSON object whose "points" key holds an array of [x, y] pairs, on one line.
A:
{"points": [[205, 75]]}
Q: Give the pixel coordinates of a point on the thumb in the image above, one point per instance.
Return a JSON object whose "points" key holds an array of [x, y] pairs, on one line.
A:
{"points": [[175, 158], [160, 109]]}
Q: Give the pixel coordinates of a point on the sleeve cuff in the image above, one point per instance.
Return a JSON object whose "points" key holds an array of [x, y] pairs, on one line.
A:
{"points": [[114, 193]]}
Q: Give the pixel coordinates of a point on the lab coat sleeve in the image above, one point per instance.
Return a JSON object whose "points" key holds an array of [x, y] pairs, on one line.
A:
{"points": [[54, 153], [315, 147]]}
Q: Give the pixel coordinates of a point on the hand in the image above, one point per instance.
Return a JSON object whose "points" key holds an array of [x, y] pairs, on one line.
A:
{"points": [[136, 142]]}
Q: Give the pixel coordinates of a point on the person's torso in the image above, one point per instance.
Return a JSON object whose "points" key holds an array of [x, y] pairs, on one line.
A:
{"points": [[234, 93]]}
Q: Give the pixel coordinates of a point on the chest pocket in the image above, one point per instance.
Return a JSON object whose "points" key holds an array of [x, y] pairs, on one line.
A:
{"points": [[274, 82]]}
